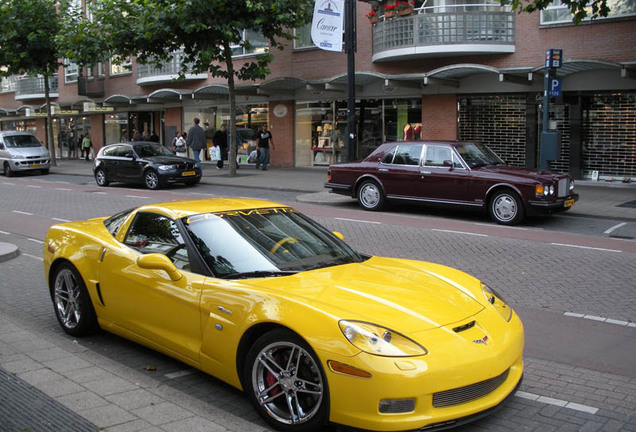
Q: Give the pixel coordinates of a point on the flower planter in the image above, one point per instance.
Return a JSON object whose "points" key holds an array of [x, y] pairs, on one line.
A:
{"points": [[405, 11], [389, 13], [373, 20]]}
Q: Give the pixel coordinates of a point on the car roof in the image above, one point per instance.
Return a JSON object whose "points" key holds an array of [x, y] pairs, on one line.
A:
{"points": [[184, 208], [11, 133], [430, 142]]}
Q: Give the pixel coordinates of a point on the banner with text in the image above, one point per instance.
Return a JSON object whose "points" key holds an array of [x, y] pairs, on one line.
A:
{"points": [[327, 24]]}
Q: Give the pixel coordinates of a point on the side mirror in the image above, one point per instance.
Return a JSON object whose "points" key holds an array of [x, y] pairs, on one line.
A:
{"points": [[338, 234], [1, 146], [448, 163], [156, 261]]}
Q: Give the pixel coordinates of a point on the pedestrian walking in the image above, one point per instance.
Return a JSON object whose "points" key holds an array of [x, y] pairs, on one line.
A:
{"points": [[87, 145], [196, 139], [220, 141], [263, 143]]}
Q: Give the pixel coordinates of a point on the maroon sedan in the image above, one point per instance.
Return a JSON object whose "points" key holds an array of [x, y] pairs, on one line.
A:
{"points": [[451, 173]]}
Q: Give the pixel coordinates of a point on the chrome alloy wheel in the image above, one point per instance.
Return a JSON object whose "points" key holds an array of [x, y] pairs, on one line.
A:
{"points": [[370, 195], [67, 293], [287, 383], [505, 207], [152, 180]]}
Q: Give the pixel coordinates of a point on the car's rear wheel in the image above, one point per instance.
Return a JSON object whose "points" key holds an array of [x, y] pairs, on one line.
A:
{"points": [[151, 179], [370, 195], [286, 383], [506, 208], [73, 307], [101, 178], [8, 172]]}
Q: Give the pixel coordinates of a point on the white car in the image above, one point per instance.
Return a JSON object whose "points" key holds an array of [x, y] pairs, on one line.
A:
{"points": [[22, 151]]}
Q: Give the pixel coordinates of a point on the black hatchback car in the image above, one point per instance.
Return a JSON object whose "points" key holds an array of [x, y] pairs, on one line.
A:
{"points": [[144, 162]]}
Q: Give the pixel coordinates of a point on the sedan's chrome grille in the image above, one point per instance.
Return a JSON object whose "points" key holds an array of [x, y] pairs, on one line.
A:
{"points": [[564, 187], [471, 392]]}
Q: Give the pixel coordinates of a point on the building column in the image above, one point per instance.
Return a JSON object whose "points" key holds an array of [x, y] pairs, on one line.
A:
{"points": [[281, 125], [439, 117]]}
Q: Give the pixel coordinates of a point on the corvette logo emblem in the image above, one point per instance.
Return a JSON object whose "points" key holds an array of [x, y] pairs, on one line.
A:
{"points": [[483, 340]]}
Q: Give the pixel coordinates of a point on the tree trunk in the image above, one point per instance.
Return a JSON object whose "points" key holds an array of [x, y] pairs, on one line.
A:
{"points": [[49, 119], [230, 85]]}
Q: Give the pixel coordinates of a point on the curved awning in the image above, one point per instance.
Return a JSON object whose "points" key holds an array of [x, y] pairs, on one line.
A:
{"points": [[168, 94], [210, 91], [120, 99], [582, 65]]}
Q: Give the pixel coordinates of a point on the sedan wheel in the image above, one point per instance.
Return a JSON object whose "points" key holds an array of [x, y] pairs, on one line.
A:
{"points": [[285, 382], [7, 170], [506, 208], [100, 178], [151, 179], [73, 307], [370, 195]]}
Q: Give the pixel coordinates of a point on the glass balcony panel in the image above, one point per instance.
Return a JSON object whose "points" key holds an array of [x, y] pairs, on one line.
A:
{"points": [[33, 87]]}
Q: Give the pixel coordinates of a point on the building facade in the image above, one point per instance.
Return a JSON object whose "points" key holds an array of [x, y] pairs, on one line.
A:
{"points": [[443, 70]]}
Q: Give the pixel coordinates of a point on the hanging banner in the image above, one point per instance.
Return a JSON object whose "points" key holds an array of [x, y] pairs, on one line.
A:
{"points": [[327, 24]]}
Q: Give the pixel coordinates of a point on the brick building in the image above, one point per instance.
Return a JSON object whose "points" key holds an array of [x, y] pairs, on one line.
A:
{"points": [[446, 70]]}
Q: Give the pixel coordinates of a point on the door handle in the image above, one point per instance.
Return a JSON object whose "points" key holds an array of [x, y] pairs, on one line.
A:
{"points": [[425, 173], [383, 169]]}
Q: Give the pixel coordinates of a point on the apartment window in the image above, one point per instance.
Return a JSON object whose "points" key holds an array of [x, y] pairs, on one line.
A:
{"points": [[258, 44], [303, 37], [119, 66], [70, 72], [558, 13]]}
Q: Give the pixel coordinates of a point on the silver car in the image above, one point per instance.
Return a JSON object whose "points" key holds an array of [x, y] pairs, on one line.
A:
{"points": [[21, 151]]}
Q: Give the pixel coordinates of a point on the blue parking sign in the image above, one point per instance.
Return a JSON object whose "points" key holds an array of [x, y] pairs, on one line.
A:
{"points": [[554, 89]]}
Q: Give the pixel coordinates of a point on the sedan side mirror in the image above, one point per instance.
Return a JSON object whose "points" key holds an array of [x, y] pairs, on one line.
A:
{"points": [[449, 164], [156, 261]]}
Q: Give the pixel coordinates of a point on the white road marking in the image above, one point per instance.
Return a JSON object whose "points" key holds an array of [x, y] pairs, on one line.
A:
{"points": [[33, 256], [60, 220], [608, 231], [4, 232], [558, 402], [63, 189], [62, 182], [21, 212], [179, 374], [586, 247], [600, 319], [137, 196], [34, 186], [503, 226], [101, 193], [460, 232], [35, 240], [358, 220], [8, 183]]}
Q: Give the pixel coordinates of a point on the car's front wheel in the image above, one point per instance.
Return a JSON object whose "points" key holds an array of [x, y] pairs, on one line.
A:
{"points": [[286, 383], [101, 178], [151, 179], [8, 172], [506, 208], [73, 307], [370, 195]]}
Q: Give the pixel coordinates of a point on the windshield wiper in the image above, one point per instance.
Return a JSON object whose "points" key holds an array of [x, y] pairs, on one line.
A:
{"points": [[258, 273]]}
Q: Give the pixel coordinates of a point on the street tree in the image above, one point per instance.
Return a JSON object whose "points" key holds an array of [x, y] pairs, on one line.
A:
{"points": [[579, 9], [28, 46], [207, 31]]}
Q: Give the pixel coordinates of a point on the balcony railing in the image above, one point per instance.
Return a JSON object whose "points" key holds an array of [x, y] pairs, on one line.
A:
{"points": [[445, 30], [167, 72], [33, 88], [8, 84]]}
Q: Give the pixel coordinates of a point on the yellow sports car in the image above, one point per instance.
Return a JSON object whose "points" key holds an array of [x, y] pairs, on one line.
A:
{"points": [[262, 297]]}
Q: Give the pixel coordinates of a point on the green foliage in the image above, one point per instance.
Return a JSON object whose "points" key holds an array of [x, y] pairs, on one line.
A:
{"points": [[579, 9]]}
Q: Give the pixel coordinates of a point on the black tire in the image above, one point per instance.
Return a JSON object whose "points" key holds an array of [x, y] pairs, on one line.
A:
{"points": [[101, 178], [506, 208], [152, 180], [72, 304], [370, 195], [8, 172], [269, 386]]}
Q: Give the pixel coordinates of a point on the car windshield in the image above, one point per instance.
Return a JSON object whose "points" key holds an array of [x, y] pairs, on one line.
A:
{"points": [[478, 155], [13, 141], [148, 150], [265, 242]]}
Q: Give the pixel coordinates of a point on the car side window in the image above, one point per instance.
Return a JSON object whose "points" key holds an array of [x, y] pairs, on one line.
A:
{"points": [[388, 157], [408, 154], [437, 155], [154, 233]]}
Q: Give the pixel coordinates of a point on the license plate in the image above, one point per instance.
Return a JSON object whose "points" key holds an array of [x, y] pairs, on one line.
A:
{"points": [[34, 166], [568, 203], [188, 173]]}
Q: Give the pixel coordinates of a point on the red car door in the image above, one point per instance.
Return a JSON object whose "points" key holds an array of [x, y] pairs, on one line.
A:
{"points": [[443, 178], [399, 171]]}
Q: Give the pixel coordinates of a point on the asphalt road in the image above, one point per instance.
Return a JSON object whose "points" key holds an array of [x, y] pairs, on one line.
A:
{"points": [[574, 293]]}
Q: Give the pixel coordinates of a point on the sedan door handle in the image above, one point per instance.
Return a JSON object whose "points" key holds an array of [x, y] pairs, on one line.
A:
{"points": [[425, 173], [383, 169]]}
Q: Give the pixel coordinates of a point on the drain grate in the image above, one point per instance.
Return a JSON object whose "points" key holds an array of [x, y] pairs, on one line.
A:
{"points": [[25, 408]]}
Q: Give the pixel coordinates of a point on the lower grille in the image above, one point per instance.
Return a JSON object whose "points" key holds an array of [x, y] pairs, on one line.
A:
{"points": [[471, 392]]}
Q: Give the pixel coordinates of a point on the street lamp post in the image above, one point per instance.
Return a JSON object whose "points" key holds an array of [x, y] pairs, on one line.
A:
{"points": [[350, 47]]}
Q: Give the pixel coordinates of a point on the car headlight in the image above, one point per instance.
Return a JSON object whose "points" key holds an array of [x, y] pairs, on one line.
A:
{"points": [[571, 185], [497, 302], [544, 190], [166, 167], [378, 340]]}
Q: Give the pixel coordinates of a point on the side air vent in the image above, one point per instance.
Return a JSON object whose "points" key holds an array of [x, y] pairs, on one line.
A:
{"points": [[464, 327]]}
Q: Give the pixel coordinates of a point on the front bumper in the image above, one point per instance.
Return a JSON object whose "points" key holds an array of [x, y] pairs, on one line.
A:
{"points": [[559, 204], [29, 164], [454, 365], [178, 177]]}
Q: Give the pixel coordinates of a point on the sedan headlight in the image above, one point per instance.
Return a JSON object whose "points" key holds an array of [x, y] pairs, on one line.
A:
{"points": [[571, 186], [378, 340], [497, 302], [166, 167], [544, 190]]}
